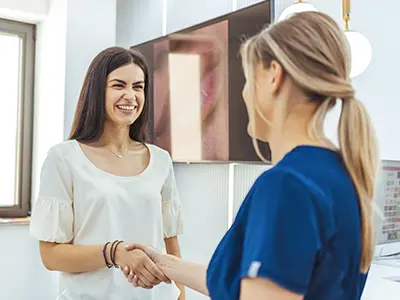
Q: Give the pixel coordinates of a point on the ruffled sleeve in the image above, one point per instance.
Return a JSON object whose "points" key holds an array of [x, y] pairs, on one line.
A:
{"points": [[52, 213], [171, 205]]}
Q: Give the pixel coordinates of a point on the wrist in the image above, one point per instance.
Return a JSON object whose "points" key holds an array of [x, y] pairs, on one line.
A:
{"points": [[166, 261], [106, 254], [120, 249]]}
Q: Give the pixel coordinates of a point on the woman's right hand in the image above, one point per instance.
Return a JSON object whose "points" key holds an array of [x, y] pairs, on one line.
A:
{"points": [[138, 264]]}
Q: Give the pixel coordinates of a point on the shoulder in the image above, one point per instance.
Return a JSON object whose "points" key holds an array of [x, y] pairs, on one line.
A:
{"points": [[159, 155], [62, 151], [277, 178], [59, 159], [282, 188], [287, 179]]}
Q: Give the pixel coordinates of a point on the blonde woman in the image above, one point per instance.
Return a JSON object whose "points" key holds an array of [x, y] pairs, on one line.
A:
{"points": [[304, 229]]}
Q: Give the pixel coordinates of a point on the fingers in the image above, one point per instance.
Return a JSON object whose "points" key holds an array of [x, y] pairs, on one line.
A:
{"points": [[150, 251], [128, 273], [135, 282], [131, 276], [156, 272], [130, 247], [139, 283], [148, 279], [125, 270], [143, 272], [133, 246]]}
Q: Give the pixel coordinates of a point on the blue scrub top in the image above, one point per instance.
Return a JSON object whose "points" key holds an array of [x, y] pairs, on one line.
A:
{"points": [[299, 226]]}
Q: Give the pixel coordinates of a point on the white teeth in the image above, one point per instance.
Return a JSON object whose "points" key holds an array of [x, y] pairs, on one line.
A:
{"points": [[126, 107]]}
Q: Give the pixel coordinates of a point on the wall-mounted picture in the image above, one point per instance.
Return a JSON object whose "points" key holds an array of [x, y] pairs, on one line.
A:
{"points": [[198, 114]]}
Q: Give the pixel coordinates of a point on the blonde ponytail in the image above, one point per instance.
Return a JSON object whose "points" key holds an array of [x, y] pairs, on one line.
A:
{"points": [[358, 147], [314, 52]]}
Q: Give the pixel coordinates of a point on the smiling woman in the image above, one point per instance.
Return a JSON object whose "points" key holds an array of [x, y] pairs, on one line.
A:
{"points": [[124, 99], [127, 82], [107, 185]]}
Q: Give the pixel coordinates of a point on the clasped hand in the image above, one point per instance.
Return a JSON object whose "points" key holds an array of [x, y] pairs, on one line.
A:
{"points": [[138, 263]]}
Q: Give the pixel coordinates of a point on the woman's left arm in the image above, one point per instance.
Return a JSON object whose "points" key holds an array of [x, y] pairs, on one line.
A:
{"points": [[191, 275], [194, 276], [173, 248], [262, 288]]}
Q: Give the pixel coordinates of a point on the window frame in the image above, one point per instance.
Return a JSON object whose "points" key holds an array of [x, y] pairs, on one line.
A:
{"points": [[23, 178]]}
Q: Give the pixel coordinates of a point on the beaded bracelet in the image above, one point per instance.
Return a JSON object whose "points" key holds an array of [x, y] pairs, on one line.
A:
{"points": [[104, 255], [113, 250]]}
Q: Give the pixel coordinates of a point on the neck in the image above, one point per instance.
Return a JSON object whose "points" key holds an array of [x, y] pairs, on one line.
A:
{"points": [[115, 137], [291, 134]]}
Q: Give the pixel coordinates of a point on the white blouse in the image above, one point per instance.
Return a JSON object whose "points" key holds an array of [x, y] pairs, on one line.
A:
{"points": [[81, 204]]}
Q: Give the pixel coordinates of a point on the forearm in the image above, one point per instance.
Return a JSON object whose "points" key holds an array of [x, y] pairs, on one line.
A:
{"points": [[182, 295], [173, 248], [185, 273], [73, 259]]}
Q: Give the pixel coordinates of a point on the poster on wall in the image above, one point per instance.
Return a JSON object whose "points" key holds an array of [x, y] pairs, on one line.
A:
{"points": [[387, 200], [198, 113]]}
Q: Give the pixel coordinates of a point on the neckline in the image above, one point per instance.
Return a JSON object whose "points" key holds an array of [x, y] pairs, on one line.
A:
{"points": [[314, 148], [321, 150], [99, 170]]}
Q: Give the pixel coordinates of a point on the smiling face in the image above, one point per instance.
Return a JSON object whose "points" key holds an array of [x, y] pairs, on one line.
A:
{"points": [[125, 97]]}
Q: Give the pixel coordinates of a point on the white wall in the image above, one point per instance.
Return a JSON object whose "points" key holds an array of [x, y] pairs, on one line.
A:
{"points": [[195, 12], [138, 21], [32, 11], [22, 275], [91, 28], [33, 6]]}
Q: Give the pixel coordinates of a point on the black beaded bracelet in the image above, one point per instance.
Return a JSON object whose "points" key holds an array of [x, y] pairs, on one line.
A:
{"points": [[104, 255], [113, 251]]}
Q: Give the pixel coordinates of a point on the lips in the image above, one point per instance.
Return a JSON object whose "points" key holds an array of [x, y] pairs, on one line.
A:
{"points": [[127, 108], [210, 50]]}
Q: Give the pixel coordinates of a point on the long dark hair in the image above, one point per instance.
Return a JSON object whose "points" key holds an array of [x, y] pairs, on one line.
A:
{"points": [[90, 114]]}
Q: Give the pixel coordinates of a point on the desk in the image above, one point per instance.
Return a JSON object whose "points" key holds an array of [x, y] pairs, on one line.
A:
{"points": [[377, 286]]}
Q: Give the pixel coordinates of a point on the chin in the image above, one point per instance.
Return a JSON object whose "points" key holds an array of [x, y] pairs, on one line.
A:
{"points": [[123, 122], [128, 122], [262, 137], [256, 135]]}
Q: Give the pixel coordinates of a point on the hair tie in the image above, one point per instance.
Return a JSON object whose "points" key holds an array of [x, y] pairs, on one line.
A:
{"points": [[348, 98]]}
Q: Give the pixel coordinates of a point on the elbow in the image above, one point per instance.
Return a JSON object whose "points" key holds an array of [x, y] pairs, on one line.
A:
{"points": [[48, 266], [46, 254], [47, 263]]}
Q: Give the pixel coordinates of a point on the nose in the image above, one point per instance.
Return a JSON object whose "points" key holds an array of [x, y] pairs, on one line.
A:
{"points": [[130, 95]]}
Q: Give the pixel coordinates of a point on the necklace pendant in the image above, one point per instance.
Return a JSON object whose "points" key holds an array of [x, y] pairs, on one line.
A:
{"points": [[120, 156]]}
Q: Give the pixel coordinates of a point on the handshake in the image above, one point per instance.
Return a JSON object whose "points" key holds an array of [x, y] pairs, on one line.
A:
{"points": [[140, 264]]}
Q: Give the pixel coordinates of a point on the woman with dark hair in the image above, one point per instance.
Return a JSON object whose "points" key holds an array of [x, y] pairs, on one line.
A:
{"points": [[107, 185]]}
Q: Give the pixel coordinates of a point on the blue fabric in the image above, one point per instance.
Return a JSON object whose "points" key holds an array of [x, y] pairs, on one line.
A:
{"points": [[299, 227]]}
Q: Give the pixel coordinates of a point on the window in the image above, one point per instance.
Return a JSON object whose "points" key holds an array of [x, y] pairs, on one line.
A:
{"points": [[17, 48]]}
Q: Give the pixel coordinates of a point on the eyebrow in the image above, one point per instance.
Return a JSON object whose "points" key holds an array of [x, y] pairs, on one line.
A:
{"points": [[123, 82]]}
